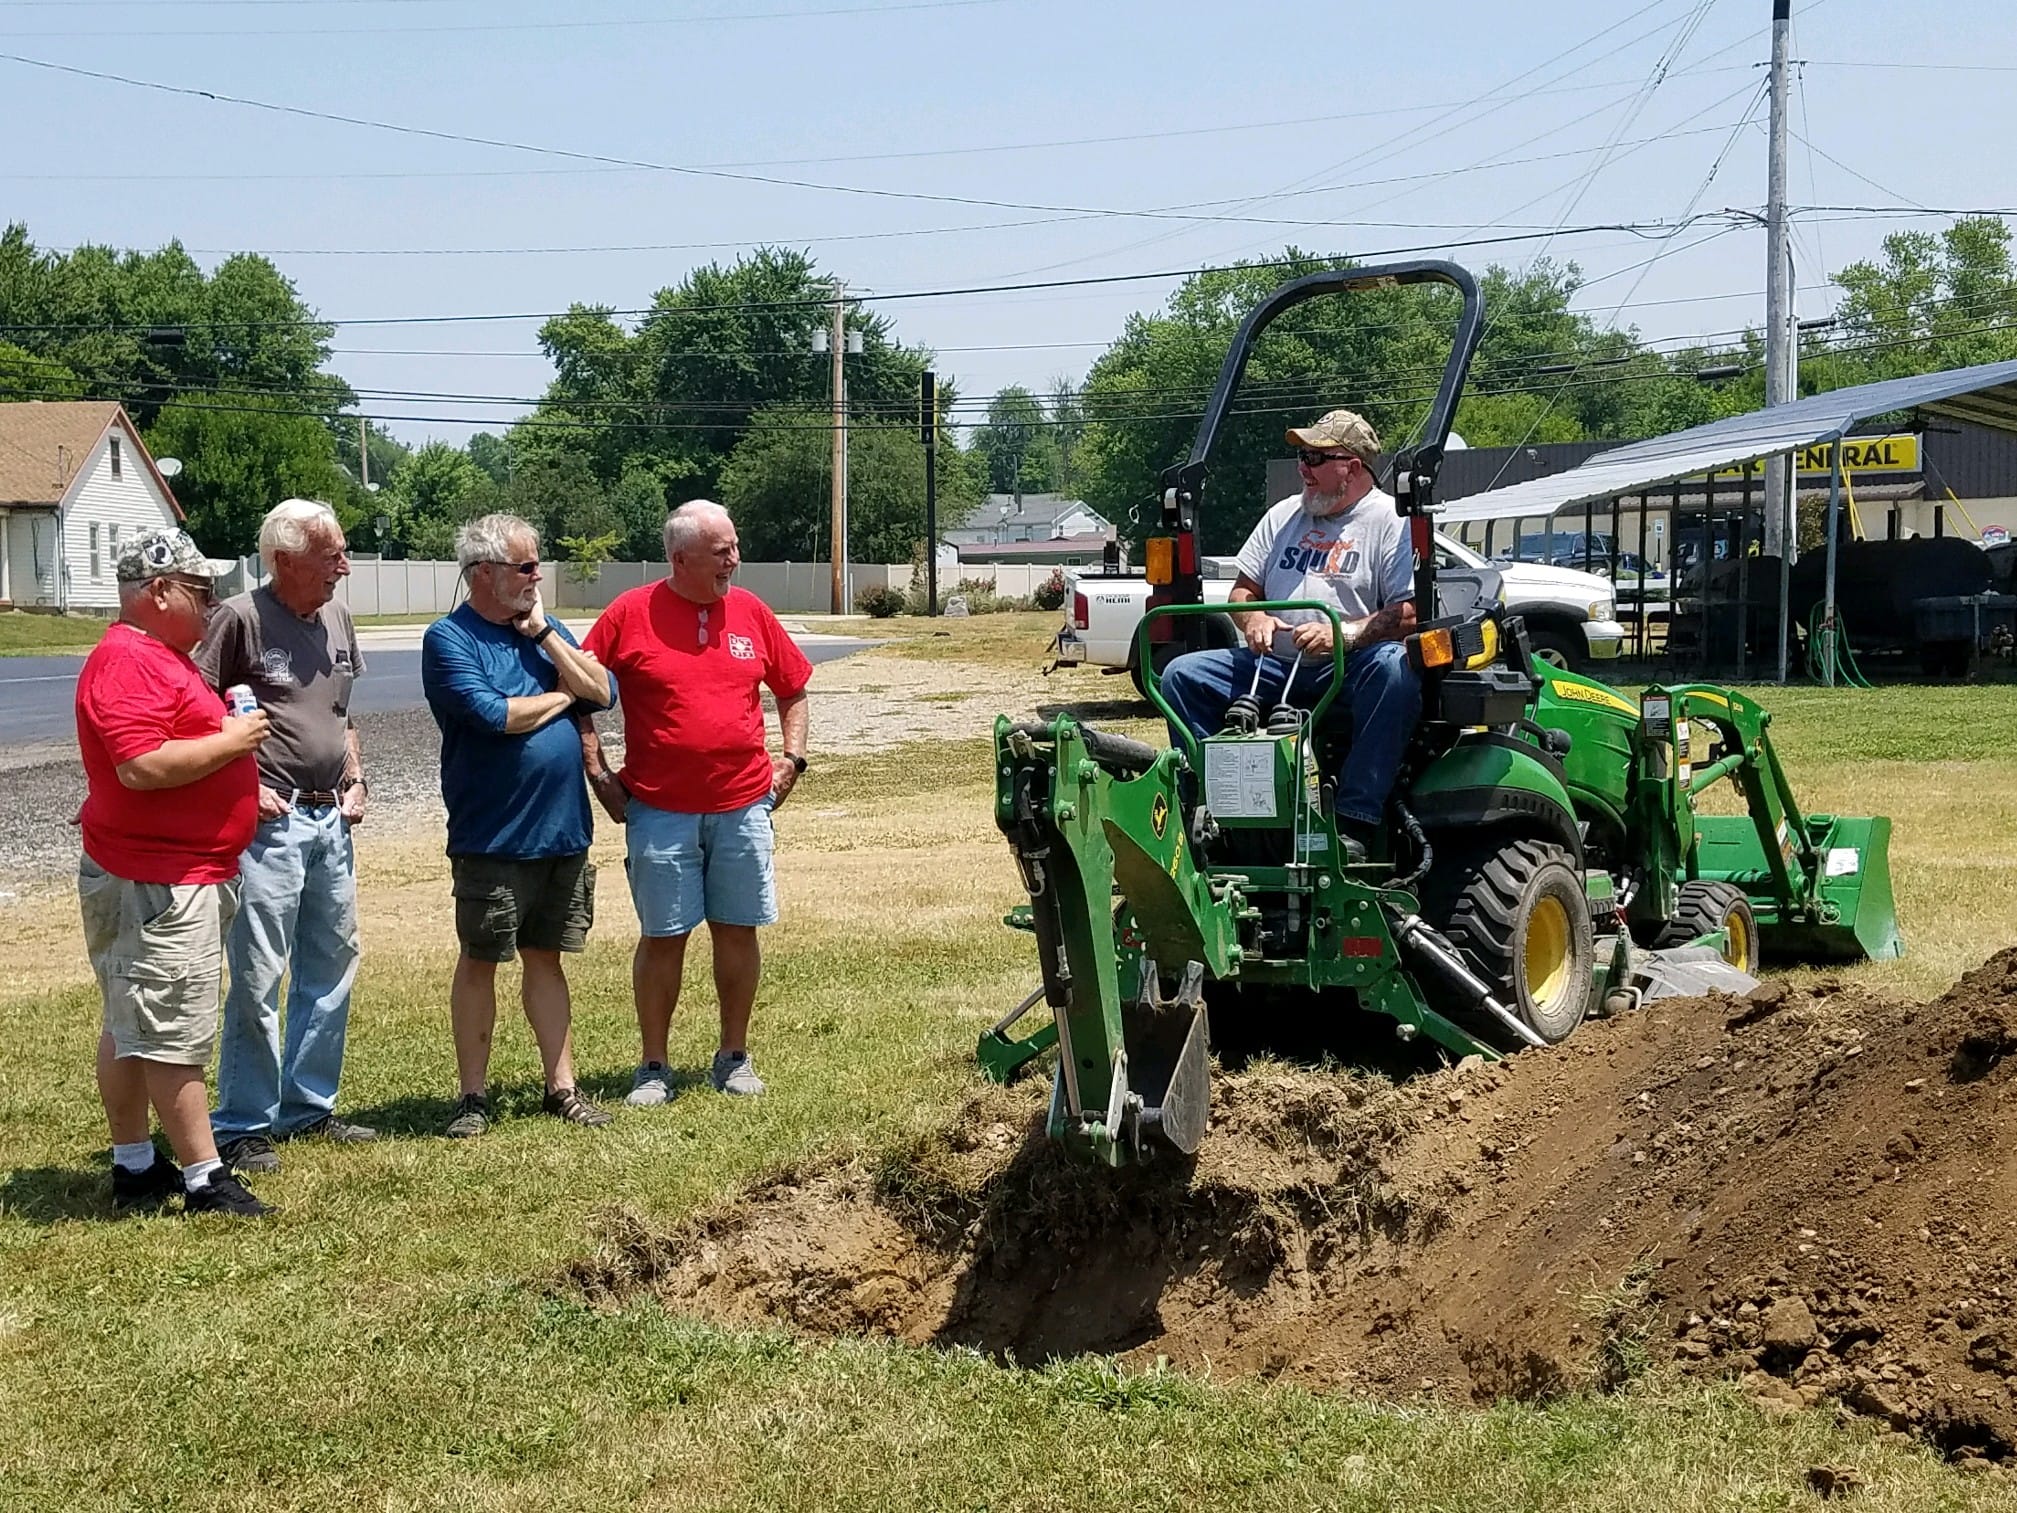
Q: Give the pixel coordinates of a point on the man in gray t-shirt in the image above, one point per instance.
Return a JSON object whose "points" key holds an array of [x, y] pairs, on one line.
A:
{"points": [[293, 644], [1341, 542]]}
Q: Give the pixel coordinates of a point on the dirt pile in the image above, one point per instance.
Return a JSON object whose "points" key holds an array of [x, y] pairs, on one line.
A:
{"points": [[1815, 1192]]}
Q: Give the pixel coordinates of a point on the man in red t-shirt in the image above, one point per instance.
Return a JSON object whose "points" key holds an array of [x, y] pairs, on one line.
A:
{"points": [[690, 655], [172, 795]]}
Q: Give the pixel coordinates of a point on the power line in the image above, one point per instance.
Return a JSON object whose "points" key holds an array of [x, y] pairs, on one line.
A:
{"points": [[608, 23], [1651, 231], [856, 157]]}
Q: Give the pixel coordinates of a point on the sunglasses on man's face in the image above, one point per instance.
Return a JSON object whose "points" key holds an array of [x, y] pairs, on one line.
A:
{"points": [[1312, 459], [523, 569]]}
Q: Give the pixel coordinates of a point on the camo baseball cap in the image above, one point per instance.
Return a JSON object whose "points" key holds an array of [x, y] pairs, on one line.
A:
{"points": [[1341, 431], [159, 553]]}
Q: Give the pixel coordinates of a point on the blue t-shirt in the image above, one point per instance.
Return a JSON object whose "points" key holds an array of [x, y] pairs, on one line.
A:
{"points": [[507, 795]]}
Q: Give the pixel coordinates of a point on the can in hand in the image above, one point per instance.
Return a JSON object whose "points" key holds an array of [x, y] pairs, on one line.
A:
{"points": [[239, 697]]}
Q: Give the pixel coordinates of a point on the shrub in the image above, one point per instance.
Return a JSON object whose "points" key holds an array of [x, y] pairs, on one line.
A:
{"points": [[1050, 594], [880, 603]]}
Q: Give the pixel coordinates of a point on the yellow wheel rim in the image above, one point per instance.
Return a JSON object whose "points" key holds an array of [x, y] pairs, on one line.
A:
{"points": [[1547, 957], [1737, 949]]}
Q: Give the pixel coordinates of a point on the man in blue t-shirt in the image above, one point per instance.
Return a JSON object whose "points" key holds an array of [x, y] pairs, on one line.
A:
{"points": [[502, 679]]}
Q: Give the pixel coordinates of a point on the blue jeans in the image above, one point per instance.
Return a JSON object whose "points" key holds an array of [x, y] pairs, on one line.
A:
{"points": [[1382, 696], [297, 917]]}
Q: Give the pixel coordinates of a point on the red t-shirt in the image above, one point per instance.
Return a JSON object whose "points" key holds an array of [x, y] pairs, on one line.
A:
{"points": [[686, 677], [134, 695]]}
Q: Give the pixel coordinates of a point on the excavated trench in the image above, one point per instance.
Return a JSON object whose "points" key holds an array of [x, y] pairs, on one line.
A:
{"points": [[1813, 1192]]}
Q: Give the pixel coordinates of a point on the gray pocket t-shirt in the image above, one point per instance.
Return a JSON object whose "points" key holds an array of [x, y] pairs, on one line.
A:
{"points": [[1360, 560]]}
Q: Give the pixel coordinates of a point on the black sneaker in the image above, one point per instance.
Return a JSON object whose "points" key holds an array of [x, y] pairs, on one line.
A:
{"points": [[249, 1153], [567, 1103], [333, 1129], [472, 1117], [225, 1194], [148, 1189]]}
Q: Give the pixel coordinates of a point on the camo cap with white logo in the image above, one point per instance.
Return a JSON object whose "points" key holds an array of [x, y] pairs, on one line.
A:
{"points": [[1338, 431], [159, 553]]}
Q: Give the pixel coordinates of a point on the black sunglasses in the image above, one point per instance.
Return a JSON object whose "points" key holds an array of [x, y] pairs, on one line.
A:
{"points": [[523, 569], [1314, 459]]}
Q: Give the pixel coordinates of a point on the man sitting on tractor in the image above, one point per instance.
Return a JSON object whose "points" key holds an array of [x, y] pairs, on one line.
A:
{"points": [[1341, 542]]}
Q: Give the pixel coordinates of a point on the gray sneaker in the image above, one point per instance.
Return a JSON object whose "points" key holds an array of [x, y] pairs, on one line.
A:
{"points": [[734, 1073], [651, 1086]]}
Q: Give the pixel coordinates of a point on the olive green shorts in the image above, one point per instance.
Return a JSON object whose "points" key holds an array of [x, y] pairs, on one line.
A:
{"points": [[505, 903], [158, 952]]}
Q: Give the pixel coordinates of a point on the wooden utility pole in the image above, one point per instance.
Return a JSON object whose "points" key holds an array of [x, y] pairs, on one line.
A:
{"points": [[1781, 534], [838, 534], [928, 423], [364, 454]]}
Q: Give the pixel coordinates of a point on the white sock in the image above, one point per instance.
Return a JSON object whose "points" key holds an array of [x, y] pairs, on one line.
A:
{"points": [[134, 1155], [196, 1174]]}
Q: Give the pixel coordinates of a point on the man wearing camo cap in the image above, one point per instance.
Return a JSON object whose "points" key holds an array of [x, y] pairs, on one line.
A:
{"points": [[1340, 541], [172, 793]]}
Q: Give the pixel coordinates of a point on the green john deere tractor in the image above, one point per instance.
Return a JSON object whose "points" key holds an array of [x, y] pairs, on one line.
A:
{"points": [[1543, 855]]}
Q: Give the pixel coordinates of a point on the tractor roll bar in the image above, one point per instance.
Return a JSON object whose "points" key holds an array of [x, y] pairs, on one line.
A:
{"points": [[1412, 477]]}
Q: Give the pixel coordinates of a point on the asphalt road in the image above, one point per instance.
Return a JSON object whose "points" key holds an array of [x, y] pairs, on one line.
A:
{"points": [[36, 693]]}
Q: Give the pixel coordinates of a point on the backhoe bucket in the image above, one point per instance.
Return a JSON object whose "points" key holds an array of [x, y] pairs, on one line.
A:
{"points": [[1856, 918]]}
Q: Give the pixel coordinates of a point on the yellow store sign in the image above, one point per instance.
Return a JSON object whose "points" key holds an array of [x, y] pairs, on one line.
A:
{"points": [[1898, 453]]}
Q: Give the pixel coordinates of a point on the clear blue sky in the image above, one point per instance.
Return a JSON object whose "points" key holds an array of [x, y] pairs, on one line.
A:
{"points": [[1913, 97]]}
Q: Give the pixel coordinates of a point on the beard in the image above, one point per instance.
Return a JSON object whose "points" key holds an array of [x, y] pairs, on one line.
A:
{"points": [[1322, 502]]}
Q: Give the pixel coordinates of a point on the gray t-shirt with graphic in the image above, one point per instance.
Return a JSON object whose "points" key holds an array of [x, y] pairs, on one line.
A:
{"points": [[301, 671], [1360, 559]]}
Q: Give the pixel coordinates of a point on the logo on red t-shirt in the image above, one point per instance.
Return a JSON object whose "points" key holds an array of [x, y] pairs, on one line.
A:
{"points": [[742, 648]]}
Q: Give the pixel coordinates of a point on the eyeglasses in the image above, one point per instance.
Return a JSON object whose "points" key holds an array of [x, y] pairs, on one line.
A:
{"points": [[206, 593], [1313, 459], [523, 569]]}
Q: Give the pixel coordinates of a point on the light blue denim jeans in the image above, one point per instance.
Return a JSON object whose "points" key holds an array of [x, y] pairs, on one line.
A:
{"points": [[297, 918]]}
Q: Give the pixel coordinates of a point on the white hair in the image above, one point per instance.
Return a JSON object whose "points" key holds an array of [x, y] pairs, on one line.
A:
{"points": [[291, 524], [683, 527], [488, 539]]}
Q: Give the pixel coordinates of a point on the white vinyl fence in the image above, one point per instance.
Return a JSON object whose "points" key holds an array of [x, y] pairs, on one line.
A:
{"points": [[377, 587]]}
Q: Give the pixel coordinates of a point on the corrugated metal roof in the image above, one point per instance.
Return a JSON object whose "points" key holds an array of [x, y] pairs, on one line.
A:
{"points": [[1985, 394]]}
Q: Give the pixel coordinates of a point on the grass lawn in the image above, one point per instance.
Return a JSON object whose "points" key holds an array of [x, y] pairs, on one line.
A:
{"points": [[25, 635], [397, 1338]]}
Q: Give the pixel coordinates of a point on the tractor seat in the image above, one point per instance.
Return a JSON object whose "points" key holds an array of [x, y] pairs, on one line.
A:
{"points": [[1459, 590]]}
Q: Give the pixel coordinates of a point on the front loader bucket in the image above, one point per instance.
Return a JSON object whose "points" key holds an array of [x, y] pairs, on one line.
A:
{"points": [[1856, 918], [1859, 916]]}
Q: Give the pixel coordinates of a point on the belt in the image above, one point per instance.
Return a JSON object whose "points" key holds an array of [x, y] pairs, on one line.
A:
{"points": [[313, 798]]}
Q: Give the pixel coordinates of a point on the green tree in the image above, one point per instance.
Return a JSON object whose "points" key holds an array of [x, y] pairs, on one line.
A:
{"points": [[1380, 352], [1021, 453], [492, 454], [674, 397], [779, 489], [430, 493], [1930, 302], [23, 375], [238, 463]]}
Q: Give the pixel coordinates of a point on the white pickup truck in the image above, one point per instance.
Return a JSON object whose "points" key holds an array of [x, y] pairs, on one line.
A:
{"points": [[1571, 617]]}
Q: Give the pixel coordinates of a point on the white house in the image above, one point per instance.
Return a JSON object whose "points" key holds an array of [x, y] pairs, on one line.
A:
{"points": [[75, 484]]}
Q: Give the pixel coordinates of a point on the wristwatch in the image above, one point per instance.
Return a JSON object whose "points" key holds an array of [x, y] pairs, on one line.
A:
{"points": [[355, 782], [542, 633], [797, 761]]}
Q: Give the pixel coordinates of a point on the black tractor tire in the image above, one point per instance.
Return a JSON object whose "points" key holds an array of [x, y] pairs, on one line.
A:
{"points": [[1705, 906], [1558, 648], [1519, 915]]}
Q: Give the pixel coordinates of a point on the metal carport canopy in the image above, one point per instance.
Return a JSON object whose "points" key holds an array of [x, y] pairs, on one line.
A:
{"points": [[1985, 394]]}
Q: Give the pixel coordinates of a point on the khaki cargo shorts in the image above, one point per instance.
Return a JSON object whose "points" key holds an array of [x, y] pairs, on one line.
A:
{"points": [[158, 951]]}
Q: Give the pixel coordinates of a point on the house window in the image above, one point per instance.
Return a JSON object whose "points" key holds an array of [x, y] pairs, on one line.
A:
{"points": [[113, 539], [96, 571], [115, 463]]}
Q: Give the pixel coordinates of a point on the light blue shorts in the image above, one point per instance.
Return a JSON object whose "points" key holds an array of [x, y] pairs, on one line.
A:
{"points": [[688, 867]]}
